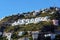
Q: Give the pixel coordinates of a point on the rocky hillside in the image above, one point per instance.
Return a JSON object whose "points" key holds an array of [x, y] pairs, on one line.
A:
{"points": [[51, 13]]}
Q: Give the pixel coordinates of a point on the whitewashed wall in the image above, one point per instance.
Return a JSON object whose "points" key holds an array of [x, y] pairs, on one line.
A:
{"points": [[32, 20]]}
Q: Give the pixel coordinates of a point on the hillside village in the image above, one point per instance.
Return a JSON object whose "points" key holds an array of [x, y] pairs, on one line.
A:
{"points": [[31, 25], [28, 21]]}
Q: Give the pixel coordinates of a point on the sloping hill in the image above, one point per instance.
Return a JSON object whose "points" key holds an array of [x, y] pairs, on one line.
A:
{"points": [[52, 13]]}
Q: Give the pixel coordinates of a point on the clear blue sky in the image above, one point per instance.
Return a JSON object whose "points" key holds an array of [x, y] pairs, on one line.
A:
{"points": [[8, 7]]}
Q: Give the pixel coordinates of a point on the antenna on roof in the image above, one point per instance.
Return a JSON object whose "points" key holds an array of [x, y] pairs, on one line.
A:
{"points": [[53, 3]]}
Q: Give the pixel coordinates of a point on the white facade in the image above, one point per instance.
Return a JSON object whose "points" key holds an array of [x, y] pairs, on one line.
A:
{"points": [[55, 22], [51, 35], [57, 9], [52, 12], [8, 35], [20, 33], [32, 20], [43, 11], [35, 13], [0, 33], [24, 38], [35, 35]]}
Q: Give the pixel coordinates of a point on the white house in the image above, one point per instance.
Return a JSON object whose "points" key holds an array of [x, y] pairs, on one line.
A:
{"points": [[21, 21], [27, 21], [8, 35], [57, 9], [52, 12], [20, 33], [43, 11], [50, 35], [35, 13], [55, 22], [32, 20], [24, 38], [15, 23], [35, 35]]}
